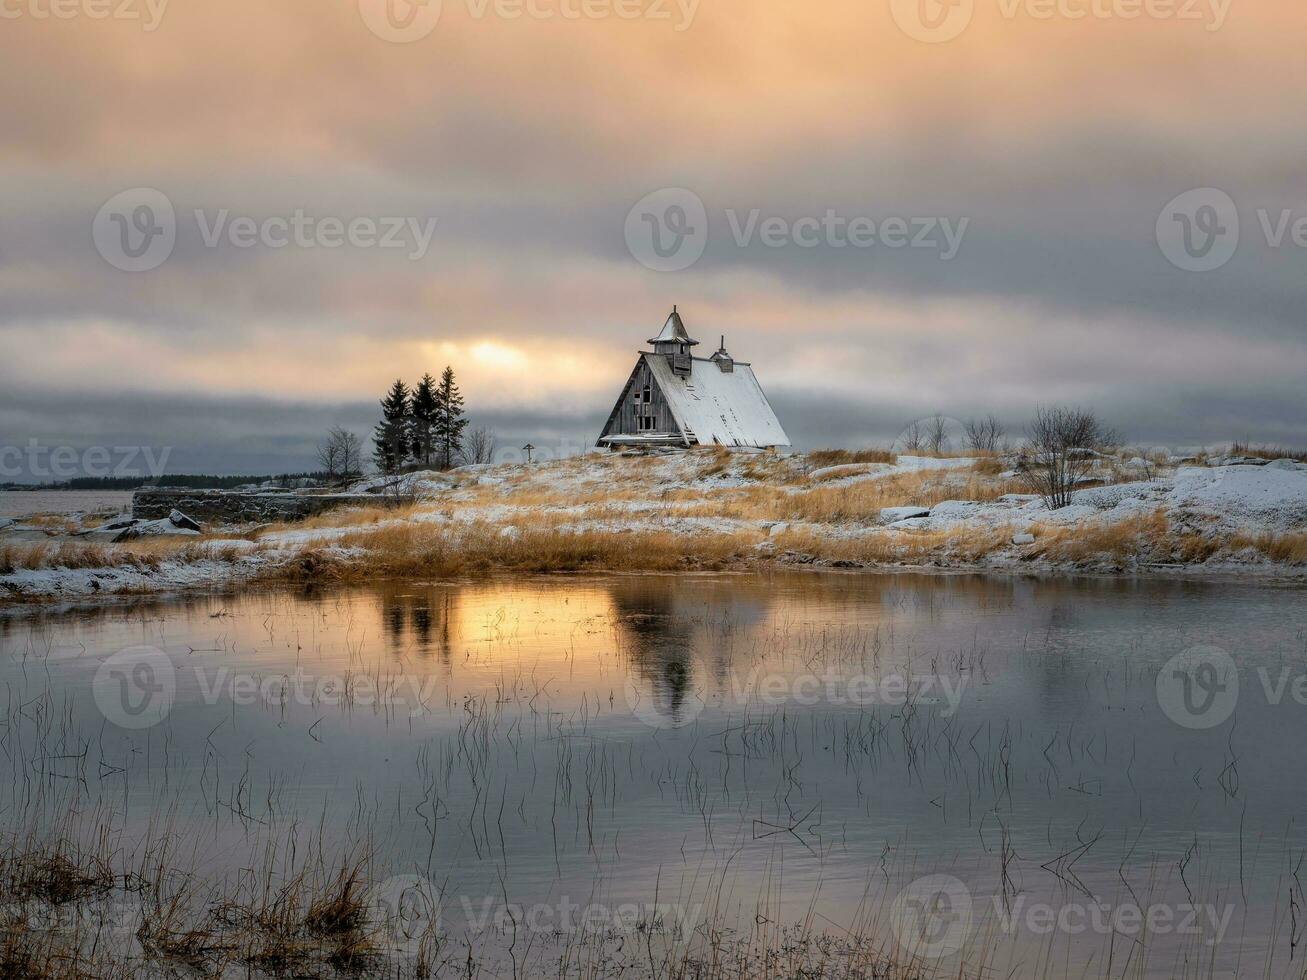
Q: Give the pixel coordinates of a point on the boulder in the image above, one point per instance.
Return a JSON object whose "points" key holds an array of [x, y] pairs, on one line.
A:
{"points": [[892, 515], [1023, 539], [778, 529], [7, 522], [955, 508], [180, 520], [1236, 461]]}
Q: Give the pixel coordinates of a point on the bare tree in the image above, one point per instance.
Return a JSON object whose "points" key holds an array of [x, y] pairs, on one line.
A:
{"points": [[340, 454], [913, 438], [351, 454], [984, 435], [1062, 448], [937, 434], [479, 445]]}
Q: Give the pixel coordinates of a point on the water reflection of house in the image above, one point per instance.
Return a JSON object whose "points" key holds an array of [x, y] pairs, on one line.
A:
{"points": [[668, 630], [419, 621]]}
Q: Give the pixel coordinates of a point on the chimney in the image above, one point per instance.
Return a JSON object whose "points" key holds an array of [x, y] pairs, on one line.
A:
{"points": [[725, 363]]}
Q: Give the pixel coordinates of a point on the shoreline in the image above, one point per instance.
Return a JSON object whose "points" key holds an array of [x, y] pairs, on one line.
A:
{"points": [[709, 511], [64, 604]]}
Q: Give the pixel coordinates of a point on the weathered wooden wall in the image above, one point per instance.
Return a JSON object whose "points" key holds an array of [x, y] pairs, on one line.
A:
{"points": [[625, 422]]}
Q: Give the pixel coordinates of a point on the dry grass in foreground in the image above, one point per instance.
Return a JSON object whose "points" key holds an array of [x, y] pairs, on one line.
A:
{"points": [[142, 555], [822, 458], [428, 550]]}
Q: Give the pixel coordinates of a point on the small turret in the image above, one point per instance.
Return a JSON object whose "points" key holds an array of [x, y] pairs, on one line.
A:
{"points": [[675, 342]]}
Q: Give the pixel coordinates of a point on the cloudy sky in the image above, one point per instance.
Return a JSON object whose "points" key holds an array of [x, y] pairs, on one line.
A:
{"points": [[228, 225]]}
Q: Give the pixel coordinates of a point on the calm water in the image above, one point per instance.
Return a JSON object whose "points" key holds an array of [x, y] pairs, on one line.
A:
{"points": [[738, 749], [23, 503]]}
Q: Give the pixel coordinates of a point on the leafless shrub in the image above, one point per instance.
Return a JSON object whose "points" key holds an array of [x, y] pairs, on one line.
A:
{"points": [[937, 434], [1062, 448], [914, 437], [985, 435], [479, 445]]}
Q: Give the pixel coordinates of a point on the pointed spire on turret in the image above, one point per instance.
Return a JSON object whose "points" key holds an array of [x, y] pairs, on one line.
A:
{"points": [[674, 332]]}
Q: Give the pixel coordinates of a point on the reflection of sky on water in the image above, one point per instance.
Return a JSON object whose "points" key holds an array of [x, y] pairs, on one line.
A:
{"points": [[513, 749]]}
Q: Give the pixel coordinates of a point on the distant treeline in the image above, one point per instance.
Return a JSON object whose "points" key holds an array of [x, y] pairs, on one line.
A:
{"points": [[190, 481]]}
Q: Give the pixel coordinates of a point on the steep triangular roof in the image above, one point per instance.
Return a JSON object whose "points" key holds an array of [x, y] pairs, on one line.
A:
{"points": [[673, 332], [717, 407]]}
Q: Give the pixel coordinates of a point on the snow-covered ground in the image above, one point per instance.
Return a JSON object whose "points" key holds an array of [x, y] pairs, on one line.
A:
{"points": [[923, 511]]}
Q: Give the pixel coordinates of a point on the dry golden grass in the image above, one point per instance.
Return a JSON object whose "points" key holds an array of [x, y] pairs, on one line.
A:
{"points": [[434, 551], [822, 458], [862, 502], [347, 517], [68, 554], [964, 545], [144, 553], [1289, 549], [1133, 538]]}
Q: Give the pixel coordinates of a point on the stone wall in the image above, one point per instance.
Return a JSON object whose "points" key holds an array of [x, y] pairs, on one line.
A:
{"points": [[231, 507]]}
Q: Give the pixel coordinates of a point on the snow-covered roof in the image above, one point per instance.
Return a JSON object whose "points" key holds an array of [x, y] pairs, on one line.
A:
{"points": [[727, 408], [674, 332]]}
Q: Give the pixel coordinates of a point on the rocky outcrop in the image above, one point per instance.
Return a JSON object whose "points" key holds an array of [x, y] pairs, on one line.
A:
{"points": [[234, 507]]}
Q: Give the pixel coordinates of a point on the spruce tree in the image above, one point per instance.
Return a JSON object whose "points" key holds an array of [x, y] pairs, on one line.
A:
{"points": [[390, 439], [424, 408], [450, 422]]}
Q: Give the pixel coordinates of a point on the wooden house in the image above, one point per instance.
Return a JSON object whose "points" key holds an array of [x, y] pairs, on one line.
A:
{"points": [[675, 399]]}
